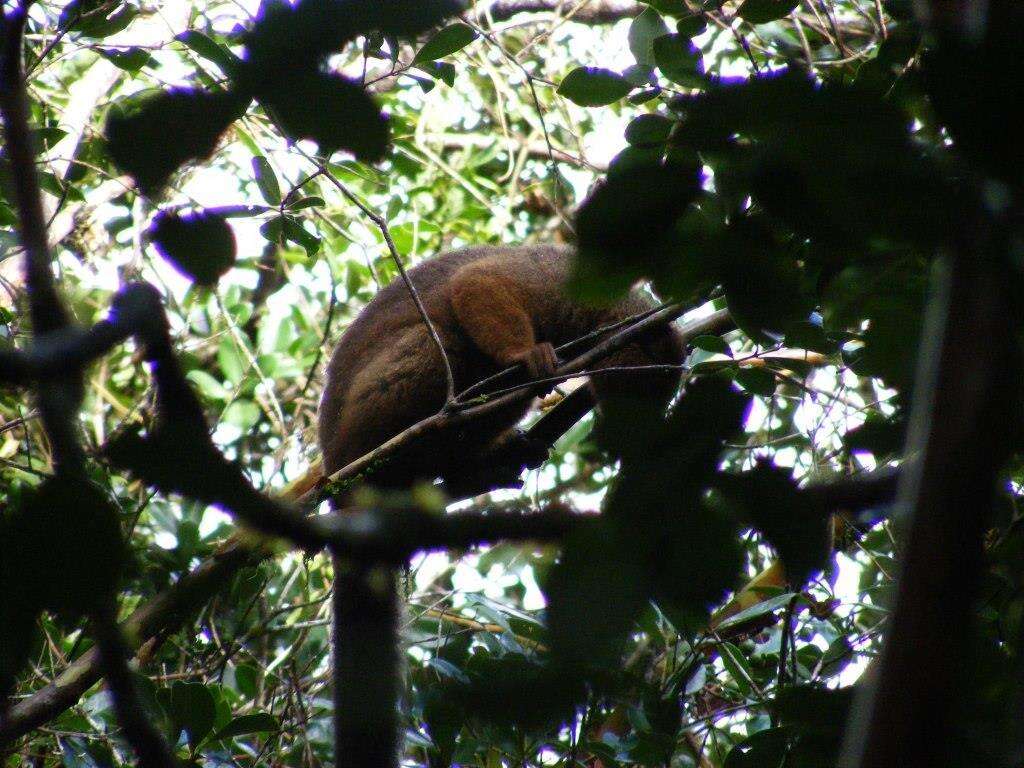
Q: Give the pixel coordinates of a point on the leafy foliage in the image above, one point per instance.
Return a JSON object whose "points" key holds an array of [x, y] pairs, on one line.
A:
{"points": [[799, 167]]}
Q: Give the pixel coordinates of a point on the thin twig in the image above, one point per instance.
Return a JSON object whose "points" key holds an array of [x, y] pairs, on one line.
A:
{"points": [[385, 232], [481, 386], [47, 311]]}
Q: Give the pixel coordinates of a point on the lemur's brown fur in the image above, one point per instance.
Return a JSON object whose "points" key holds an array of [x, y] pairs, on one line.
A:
{"points": [[492, 307]]}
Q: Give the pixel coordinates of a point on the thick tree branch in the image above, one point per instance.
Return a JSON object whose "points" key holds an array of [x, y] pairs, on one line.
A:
{"points": [[171, 609], [963, 404], [594, 12], [47, 311], [60, 397]]}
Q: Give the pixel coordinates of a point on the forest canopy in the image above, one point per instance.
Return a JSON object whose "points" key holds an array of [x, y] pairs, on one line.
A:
{"points": [[815, 560]]}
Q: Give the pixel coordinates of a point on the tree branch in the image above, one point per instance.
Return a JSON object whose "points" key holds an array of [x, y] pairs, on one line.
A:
{"points": [[450, 419], [595, 12], [957, 443]]}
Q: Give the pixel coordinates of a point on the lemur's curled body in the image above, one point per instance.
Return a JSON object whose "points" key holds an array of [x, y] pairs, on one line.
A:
{"points": [[492, 306]]}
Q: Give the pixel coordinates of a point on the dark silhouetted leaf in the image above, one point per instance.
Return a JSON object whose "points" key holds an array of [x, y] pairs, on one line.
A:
{"points": [[439, 70], [763, 11], [210, 50], [830, 162], [880, 436], [648, 130], [669, 7], [972, 82], [679, 60], [402, 17], [138, 131], [97, 18], [691, 26], [331, 110], [445, 42], [757, 381], [688, 551], [63, 548], [768, 498], [129, 59], [625, 227], [769, 747], [200, 245], [762, 282], [816, 719], [594, 86], [306, 202], [803, 334], [256, 722], [515, 690], [193, 710], [291, 41], [594, 595]]}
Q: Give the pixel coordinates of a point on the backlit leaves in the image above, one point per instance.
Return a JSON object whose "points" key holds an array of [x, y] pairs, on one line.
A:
{"points": [[139, 131], [200, 245], [594, 86]]}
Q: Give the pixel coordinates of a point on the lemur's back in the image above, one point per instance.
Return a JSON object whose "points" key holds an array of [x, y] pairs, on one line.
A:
{"points": [[386, 372]]}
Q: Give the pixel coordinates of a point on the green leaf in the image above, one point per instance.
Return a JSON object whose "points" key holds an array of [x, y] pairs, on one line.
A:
{"points": [[736, 664], [763, 11], [669, 7], [715, 344], [642, 97], [255, 722], [230, 360], [244, 414], [642, 32], [294, 231], [193, 710], [439, 70], [649, 130], [594, 86], [266, 180], [312, 201], [445, 42], [246, 680], [208, 386], [200, 245], [757, 381], [691, 26], [679, 60], [210, 50], [130, 59], [757, 610]]}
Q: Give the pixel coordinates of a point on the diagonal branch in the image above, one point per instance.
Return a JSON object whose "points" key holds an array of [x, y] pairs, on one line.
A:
{"points": [[450, 419]]}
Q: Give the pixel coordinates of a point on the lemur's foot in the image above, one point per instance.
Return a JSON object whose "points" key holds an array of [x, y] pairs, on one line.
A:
{"points": [[540, 360]]}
